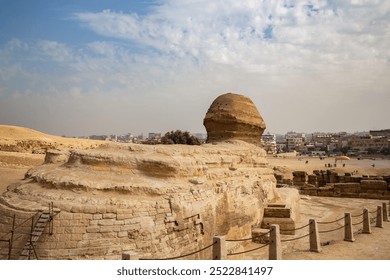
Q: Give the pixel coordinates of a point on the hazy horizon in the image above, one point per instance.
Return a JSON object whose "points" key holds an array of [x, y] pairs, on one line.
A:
{"points": [[113, 67]]}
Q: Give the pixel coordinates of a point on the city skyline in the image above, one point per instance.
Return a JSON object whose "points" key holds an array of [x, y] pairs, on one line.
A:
{"points": [[204, 134], [83, 68]]}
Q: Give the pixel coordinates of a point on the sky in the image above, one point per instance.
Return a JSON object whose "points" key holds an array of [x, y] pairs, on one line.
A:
{"points": [[77, 68]]}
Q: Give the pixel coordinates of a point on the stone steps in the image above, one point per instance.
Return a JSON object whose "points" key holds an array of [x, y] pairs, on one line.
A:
{"points": [[280, 215]]}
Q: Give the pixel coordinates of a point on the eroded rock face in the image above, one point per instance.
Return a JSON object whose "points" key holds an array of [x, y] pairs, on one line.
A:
{"points": [[158, 201], [234, 116]]}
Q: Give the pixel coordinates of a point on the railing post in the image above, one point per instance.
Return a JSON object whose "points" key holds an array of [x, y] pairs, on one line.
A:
{"points": [[30, 239], [11, 242], [219, 248], [385, 213], [9, 248], [389, 208], [315, 244], [348, 231], [51, 214], [275, 245], [130, 256], [366, 221], [379, 217]]}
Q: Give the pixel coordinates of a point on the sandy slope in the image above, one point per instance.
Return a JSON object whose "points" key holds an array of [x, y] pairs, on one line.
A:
{"points": [[21, 139]]}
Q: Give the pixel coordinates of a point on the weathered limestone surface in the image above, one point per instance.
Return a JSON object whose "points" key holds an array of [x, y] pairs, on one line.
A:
{"points": [[348, 186], [299, 178], [234, 116], [373, 185], [329, 183], [156, 200]]}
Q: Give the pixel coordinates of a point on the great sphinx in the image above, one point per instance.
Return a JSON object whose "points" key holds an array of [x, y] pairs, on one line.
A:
{"points": [[156, 200]]}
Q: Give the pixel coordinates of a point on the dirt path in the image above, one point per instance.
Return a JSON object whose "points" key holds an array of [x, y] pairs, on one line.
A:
{"points": [[374, 246], [9, 175]]}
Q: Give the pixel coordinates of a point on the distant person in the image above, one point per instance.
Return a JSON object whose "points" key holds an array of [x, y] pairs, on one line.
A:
{"points": [[307, 162], [373, 165]]}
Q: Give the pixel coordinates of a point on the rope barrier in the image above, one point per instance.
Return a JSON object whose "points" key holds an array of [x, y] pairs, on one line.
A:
{"points": [[303, 226], [358, 223], [296, 238], [182, 256], [356, 216], [324, 223], [288, 230], [239, 253], [372, 212], [247, 239], [325, 231]]}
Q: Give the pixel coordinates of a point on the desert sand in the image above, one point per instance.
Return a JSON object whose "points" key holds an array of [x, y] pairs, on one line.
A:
{"points": [[286, 166], [374, 246], [26, 140]]}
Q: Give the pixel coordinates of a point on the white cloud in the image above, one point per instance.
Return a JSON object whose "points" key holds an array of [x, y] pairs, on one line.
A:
{"points": [[58, 52], [285, 55], [232, 32]]}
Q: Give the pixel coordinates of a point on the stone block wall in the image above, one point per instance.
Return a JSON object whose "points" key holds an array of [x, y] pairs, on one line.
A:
{"points": [[21, 233], [375, 189], [299, 178], [159, 227], [373, 185]]}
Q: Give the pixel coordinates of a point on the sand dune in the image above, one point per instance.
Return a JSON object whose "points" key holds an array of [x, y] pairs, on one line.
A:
{"points": [[21, 139]]}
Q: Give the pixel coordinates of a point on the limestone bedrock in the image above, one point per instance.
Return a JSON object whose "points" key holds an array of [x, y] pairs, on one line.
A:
{"points": [[234, 116]]}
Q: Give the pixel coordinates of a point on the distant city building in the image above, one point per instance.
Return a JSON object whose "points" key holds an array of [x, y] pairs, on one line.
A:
{"points": [[295, 141], [367, 143], [200, 136], [318, 143], [269, 143], [383, 133], [99, 137], [153, 135]]}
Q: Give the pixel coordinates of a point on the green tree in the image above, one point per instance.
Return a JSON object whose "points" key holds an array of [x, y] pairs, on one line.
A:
{"points": [[179, 137], [385, 151], [371, 151], [345, 150]]}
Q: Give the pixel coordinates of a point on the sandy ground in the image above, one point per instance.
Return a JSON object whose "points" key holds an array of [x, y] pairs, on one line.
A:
{"points": [[21, 139], [363, 166], [13, 166], [375, 246]]}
